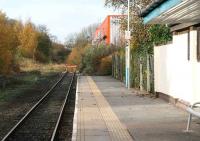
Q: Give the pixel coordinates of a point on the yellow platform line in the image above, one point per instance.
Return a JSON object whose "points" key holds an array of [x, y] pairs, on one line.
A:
{"points": [[117, 131], [81, 133]]}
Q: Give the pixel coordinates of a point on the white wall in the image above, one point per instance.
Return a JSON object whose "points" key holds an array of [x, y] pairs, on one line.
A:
{"points": [[175, 75]]}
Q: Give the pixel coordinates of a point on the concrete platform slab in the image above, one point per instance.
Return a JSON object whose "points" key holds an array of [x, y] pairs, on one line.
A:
{"points": [[147, 119], [107, 111], [95, 119]]}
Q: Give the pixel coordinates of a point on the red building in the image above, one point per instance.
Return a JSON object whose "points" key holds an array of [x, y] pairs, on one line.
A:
{"points": [[109, 31]]}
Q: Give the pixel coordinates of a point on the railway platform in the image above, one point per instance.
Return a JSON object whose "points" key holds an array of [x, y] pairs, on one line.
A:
{"points": [[107, 111]]}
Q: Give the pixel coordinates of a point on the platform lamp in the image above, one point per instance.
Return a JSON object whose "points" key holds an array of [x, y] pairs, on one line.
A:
{"points": [[127, 49]]}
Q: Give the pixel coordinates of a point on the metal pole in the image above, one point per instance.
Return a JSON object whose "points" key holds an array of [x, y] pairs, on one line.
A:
{"points": [[128, 28], [128, 55], [128, 50], [189, 122]]}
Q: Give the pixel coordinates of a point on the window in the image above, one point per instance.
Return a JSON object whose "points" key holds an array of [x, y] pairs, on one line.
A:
{"points": [[188, 45], [198, 44], [186, 31]]}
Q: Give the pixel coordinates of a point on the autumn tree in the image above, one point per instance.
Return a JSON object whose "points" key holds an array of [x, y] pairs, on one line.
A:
{"points": [[28, 38], [8, 44], [18, 40]]}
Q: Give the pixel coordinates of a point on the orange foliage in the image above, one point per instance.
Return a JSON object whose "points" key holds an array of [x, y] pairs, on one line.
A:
{"points": [[8, 44], [28, 40], [105, 66], [76, 55]]}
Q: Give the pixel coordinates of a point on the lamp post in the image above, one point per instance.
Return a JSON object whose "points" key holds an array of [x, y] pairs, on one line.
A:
{"points": [[128, 36]]}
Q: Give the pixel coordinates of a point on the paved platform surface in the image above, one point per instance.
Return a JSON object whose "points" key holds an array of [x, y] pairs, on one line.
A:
{"points": [[96, 120], [108, 111]]}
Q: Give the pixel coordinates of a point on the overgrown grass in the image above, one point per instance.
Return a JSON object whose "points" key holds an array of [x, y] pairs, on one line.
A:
{"points": [[28, 65], [31, 75], [17, 84]]}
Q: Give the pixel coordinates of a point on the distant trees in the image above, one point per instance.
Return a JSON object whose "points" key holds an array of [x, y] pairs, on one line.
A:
{"points": [[35, 42], [78, 43], [44, 45], [82, 38], [28, 41], [59, 53], [89, 59]]}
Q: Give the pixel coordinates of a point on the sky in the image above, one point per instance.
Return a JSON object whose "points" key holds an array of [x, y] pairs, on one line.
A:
{"points": [[62, 17]]}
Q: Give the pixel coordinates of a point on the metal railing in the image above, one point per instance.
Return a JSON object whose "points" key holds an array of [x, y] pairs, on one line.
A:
{"points": [[192, 112]]}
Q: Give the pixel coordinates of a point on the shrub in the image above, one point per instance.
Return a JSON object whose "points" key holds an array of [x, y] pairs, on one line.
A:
{"points": [[43, 47], [105, 67], [92, 59], [59, 53], [76, 56]]}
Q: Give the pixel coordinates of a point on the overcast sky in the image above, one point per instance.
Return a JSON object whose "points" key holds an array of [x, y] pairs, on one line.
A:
{"points": [[62, 17]]}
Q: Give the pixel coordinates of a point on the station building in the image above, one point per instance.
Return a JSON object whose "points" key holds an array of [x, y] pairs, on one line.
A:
{"points": [[177, 64]]}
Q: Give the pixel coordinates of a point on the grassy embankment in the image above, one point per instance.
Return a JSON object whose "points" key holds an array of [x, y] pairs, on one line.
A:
{"points": [[32, 74]]}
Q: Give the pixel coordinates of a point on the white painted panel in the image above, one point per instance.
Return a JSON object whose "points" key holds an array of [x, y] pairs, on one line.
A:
{"points": [[173, 72]]}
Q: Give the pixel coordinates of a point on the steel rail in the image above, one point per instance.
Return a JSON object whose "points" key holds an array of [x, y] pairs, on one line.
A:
{"points": [[33, 108], [53, 137]]}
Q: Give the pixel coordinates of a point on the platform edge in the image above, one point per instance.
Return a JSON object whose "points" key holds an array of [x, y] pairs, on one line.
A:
{"points": [[75, 120]]}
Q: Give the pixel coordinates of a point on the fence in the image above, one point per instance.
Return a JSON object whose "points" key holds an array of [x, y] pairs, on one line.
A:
{"points": [[118, 66], [142, 70]]}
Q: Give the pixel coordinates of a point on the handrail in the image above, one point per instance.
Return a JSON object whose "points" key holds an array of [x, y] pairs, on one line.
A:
{"points": [[193, 105], [191, 111]]}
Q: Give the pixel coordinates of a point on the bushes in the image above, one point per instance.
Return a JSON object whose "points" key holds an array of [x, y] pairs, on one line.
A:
{"points": [[6, 62], [59, 53], [76, 56], [92, 59], [142, 72], [105, 67], [43, 48], [97, 60]]}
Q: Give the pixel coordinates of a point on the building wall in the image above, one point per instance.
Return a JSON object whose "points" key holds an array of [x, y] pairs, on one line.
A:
{"points": [[103, 30], [115, 32], [175, 75], [109, 28]]}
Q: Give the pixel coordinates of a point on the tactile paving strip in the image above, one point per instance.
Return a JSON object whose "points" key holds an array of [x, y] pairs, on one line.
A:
{"points": [[117, 130]]}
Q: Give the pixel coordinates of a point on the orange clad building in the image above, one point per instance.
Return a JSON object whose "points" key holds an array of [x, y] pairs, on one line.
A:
{"points": [[109, 31]]}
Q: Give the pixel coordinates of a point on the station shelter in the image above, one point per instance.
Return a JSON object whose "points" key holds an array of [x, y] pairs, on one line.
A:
{"points": [[177, 64]]}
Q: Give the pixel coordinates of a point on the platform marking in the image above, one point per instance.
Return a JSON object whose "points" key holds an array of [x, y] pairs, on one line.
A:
{"points": [[75, 120], [117, 131]]}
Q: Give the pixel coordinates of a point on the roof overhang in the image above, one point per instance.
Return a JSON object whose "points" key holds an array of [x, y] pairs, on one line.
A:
{"points": [[172, 12]]}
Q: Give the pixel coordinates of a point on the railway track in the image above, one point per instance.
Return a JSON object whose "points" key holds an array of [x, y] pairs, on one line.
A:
{"points": [[43, 121], [64, 132]]}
